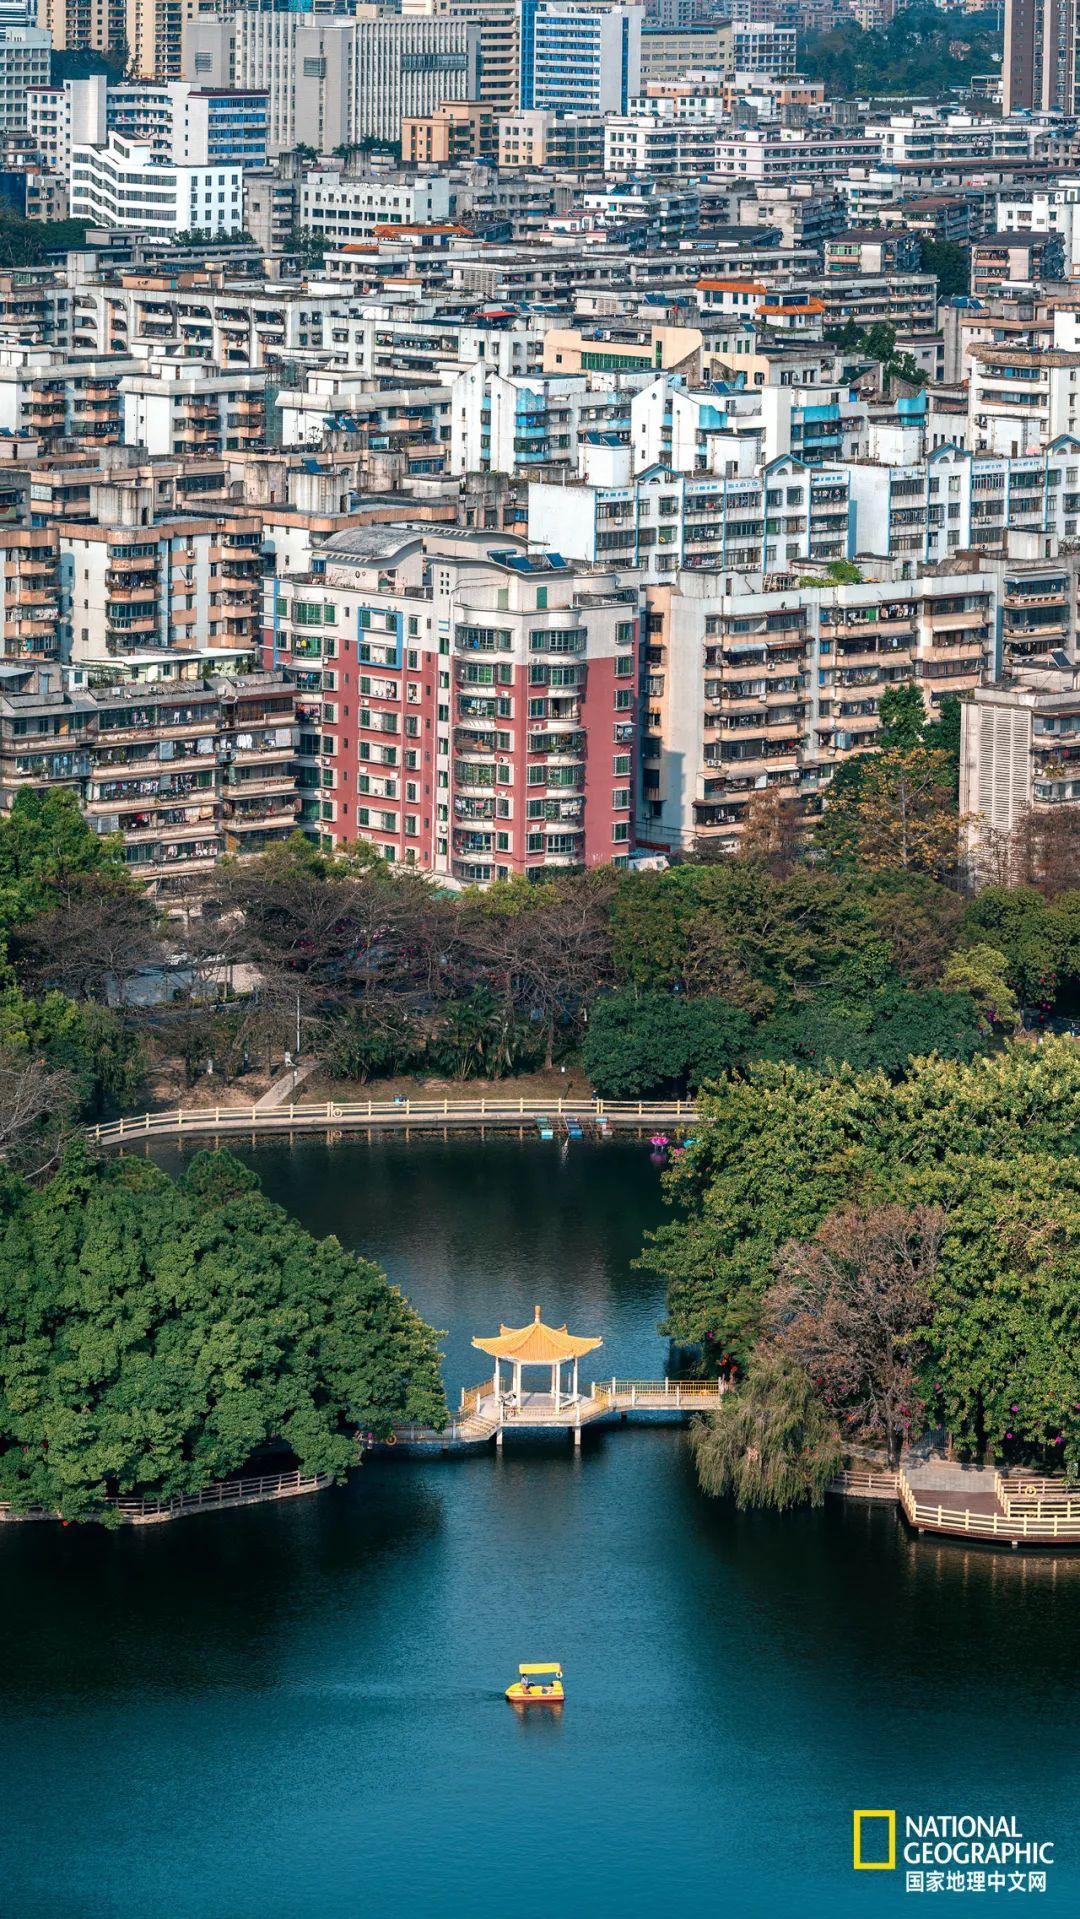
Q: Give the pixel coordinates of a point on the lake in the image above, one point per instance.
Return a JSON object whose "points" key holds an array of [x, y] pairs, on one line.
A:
{"points": [[296, 1709]]}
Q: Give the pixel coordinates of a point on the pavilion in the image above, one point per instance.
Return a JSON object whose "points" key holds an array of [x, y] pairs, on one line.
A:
{"points": [[538, 1345]]}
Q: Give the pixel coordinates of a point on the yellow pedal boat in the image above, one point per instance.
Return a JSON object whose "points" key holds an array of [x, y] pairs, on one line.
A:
{"points": [[537, 1686]]}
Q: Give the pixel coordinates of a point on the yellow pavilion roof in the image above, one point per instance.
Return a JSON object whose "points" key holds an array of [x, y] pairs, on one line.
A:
{"points": [[537, 1344]]}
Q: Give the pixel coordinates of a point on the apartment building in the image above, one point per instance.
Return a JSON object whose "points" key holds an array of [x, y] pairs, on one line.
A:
{"points": [[733, 426], [30, 601], [497, 28], [186, 769], [243, 323], [124, 184], [666, 523], [57, 399], [332, 80], [189, 583], [457, 131], [74, 24], [467, 705], [514, 425], [1020, 398], [348, 209], [953, 500], [181, 408], [1020, 752], [749, 691], [24, 63]]}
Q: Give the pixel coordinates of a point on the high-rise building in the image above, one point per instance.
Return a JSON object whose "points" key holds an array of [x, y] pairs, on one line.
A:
{"points": [[580, 55], [1039, 70], [24, 63], [98, 24], [496, 22], [332, 79]]}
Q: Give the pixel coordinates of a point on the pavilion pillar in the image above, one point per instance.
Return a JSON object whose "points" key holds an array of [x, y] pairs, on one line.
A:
{"points": [[555, 1371], [575, 1376], [497, 1381]]}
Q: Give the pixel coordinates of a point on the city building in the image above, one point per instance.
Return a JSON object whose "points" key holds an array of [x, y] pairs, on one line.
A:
{"points": [[468, 706], [124, 184], [579, 55]]}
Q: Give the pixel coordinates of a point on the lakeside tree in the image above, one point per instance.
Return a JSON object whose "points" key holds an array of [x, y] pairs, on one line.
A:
{"points": [[994, 1144], [850, 1308], [159, 1335], [643, 1043], [770, 1442]]}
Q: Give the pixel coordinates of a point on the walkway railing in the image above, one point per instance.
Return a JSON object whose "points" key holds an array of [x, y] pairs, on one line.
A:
{"points": [[354, 1115], [866, 1483], [1037, 1498], [935, 1516], [226, 1492], [692, 1394]]}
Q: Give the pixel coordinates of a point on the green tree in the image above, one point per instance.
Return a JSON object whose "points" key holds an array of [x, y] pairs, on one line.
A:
{"points": [[994, 1144], [158, 1335], [950, 262], [898, 816], [1039, 939], [885, 1030], [982, 972], [902, 712], [770, 1442], [640, 1044]]}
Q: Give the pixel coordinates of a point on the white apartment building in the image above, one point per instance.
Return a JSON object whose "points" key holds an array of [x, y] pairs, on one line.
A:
{"points": [[1053, 209], [336, 79], [760, 46], [664, 522], [501, 425], [1019, 397], [720, 430], [194, 126], [954, 500], [124, 185], [24, 63], [658, 143], [347, 209], [580, 55], [181, 408]]}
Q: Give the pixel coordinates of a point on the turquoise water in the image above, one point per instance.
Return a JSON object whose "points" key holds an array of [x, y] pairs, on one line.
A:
{"points": [[296, 1710]]}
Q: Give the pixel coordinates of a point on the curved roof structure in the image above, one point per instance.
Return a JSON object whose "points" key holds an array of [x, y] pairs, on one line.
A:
{"points": [[537, 1344]]}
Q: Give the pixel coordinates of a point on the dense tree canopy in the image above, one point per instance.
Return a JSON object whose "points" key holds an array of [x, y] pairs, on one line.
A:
{"points": [[157, 1335], [921, 51], [994, 1144]]}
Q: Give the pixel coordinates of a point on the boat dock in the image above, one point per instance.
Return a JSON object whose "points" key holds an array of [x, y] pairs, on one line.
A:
{"points": [[974, 1503]]}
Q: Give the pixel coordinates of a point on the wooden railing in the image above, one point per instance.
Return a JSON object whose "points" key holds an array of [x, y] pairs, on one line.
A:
{"points": [[696, 1394], [471, 1397], [225, 1492], [1041, 1498], [936, 1515], [390, 1113], [865, 1483]]}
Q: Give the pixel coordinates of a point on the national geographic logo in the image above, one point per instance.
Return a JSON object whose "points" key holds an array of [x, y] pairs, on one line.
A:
{"points": [[880, 1840], [952, 1852]]}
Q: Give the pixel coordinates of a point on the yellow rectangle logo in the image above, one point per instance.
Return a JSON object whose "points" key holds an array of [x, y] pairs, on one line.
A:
{"points": [[875, 1865]]}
